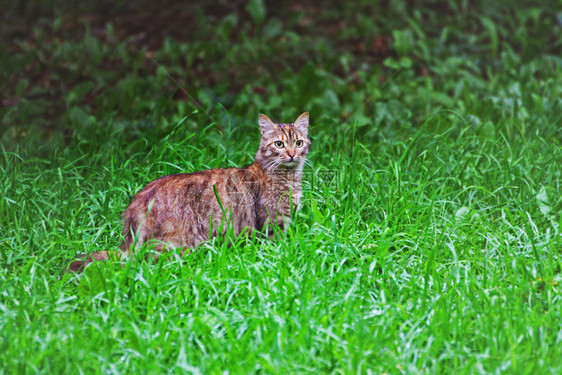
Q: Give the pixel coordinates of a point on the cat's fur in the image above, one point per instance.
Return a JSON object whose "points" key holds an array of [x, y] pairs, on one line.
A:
{"points": [[182, 210]]}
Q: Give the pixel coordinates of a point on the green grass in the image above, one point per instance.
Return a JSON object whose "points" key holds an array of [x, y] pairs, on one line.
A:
{"points": [[429, 239]]}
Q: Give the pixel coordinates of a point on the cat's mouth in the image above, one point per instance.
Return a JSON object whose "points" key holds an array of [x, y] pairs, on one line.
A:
{"points": [[291, 163]]}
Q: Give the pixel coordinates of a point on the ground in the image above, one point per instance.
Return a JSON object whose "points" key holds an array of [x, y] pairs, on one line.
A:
{"points": [[429, 239]]}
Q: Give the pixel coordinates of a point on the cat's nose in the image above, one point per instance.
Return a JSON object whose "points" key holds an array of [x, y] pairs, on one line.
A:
{"points": [[291, 155]]}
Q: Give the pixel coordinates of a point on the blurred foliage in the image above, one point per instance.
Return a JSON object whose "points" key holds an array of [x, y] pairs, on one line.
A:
{"points": [[75, 72]]}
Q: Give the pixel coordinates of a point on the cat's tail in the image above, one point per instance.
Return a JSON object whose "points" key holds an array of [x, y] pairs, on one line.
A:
{"points": [[83, 260]]}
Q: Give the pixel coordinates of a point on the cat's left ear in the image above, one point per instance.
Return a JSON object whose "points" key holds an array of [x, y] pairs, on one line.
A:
{"points": [[301, 123]]}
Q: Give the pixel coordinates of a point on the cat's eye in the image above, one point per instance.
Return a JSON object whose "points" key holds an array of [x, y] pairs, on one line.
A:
{"points": [[299, 143], [279, 144]]}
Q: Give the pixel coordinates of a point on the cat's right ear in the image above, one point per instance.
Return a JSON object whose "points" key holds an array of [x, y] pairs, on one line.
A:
{"points": [[266, 125], [301, 123]]}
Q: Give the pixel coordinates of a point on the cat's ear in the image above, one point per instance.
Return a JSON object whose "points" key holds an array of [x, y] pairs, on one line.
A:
{"points": [[301, 123], [266, 124]]}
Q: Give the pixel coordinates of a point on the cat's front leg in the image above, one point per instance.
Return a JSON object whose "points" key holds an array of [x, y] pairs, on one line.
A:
{"points": [[276, 223], [283, 222]]}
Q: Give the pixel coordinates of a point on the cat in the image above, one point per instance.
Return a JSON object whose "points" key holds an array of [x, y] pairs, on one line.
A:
{"points": [[184, 210]]}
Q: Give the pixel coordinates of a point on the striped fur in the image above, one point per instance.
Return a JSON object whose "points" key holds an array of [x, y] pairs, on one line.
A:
{"points": [[182, 210]]}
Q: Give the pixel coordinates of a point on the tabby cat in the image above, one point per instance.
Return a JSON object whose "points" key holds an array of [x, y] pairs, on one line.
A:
{"points": [[183, 210]]}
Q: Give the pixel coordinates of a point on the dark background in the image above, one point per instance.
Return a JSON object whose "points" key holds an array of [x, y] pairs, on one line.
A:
{"points": [[72, 70]]}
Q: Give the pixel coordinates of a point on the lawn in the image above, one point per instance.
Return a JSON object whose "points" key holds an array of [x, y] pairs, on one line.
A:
{"points": [[429, 238]]}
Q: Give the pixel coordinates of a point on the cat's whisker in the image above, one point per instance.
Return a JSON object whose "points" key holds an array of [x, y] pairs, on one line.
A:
{"points": [[307, 163], [276, 165], [270, 165]]}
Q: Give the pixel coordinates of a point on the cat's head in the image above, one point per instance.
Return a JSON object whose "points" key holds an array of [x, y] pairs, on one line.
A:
{"points": [[283, 145]]}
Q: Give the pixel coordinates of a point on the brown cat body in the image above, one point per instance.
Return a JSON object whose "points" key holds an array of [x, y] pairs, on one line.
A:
{"points": [[182, 210]]}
